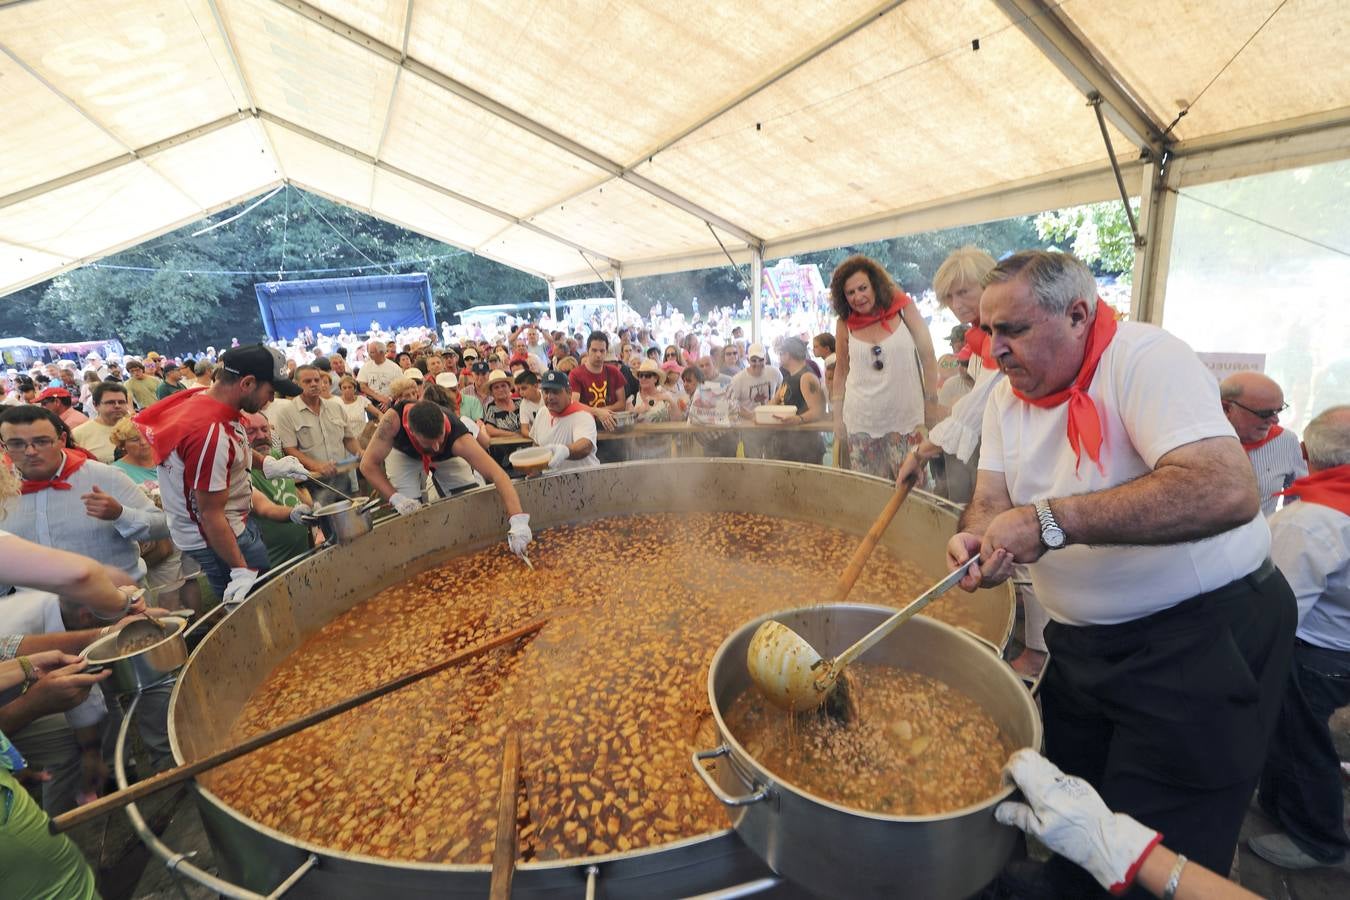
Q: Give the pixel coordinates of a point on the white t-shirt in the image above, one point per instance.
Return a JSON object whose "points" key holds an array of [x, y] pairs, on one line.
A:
{"points": [[1277, 463], [566, 430], [1155, 396], [748, 391], [1311, 545], [959, 433], [379, 376]]}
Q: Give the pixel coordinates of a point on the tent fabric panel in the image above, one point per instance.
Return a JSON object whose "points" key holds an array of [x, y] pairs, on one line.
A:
{"points": [[328, 171], [143, 70], [625, 222], [381, 19], [304, 73], [905, 112], [619, 77], [435, 215], [532, 251], [24, 265], [1168, 52], [34, 116], [439, 136], [229, 162]]}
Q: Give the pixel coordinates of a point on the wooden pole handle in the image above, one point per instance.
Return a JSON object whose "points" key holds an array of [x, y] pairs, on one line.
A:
{"points": [[504, 853], [849, 576], [178, 774]]}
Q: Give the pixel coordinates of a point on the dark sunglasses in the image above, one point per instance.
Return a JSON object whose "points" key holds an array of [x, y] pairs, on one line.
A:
{"points": [[1262, 413], [877, 362]]}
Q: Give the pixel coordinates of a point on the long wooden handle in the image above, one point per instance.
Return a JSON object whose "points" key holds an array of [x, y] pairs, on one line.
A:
{"points": [[504, 853], [849, 576], [177, 774]]}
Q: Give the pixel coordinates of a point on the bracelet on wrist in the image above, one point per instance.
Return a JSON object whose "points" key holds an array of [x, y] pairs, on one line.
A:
{"points": [[126, 607], [1174, 879], [29, 675]]}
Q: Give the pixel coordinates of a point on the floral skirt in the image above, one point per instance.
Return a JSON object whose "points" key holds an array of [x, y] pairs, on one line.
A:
{"points": [[880, 456]]}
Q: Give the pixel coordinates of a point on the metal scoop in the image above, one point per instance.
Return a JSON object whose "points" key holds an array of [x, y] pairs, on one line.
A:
{"points": [[794, 676]]}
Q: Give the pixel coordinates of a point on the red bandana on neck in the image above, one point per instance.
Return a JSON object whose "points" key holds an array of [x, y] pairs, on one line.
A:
{"points": [[412, 439], [899, 300], [1085, 419], [70, 464], [572, 407], [1329, 487], [1275, 431], [979, 344]]}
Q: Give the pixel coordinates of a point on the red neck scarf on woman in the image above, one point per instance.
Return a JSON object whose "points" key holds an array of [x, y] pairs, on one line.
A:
{"points": [[1085, 419], [70, 464], [412, 439], [978, 343], [1275, 431], [1329, 487], [572, 407], [899, 300]]}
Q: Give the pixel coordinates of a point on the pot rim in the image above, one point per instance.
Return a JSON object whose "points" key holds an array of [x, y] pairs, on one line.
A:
{"points": [[176, 623], [742, 756]]}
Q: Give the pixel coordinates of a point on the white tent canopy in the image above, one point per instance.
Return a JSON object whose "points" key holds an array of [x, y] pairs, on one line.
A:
{"points": [[633, 135]]}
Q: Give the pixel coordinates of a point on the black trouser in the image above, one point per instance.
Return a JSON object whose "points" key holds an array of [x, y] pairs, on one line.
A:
{"points": [[1301, 784], [1169, 716]]}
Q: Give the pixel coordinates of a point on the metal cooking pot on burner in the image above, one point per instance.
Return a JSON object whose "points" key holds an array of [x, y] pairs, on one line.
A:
{"points": [[836, 851], [239, 653], [342, 521]]}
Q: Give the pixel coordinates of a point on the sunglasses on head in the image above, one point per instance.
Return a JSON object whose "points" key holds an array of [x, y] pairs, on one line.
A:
{"points": [[877, 362]]}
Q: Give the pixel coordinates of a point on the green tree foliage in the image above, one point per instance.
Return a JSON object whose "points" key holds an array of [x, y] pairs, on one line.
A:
{"points": [[1098, 234]]}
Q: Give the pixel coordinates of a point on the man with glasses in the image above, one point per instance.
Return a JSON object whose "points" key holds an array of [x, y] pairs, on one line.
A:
{"points": [[1253, 403], [111, 405]]}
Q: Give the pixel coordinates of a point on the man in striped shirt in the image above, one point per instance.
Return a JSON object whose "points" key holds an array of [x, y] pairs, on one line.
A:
{"points": [[1253, 403], [203, 455]]}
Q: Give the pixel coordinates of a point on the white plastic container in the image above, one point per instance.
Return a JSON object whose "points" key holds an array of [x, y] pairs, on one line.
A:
{"points": [[768, 415]]}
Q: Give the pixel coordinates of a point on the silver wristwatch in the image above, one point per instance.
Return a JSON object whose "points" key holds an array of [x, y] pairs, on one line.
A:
{"points": [[1051, 534]]}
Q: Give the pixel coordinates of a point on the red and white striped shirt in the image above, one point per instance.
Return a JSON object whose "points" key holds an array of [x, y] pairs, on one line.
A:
{"points": [[214, 457]]}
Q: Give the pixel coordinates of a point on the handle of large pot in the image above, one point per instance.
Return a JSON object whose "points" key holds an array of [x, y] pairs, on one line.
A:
{"points": [[1033, 684], [726, 799]]}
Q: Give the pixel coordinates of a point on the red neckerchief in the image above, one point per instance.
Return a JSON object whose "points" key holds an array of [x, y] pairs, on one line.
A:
{"points": [[572, 407], [412, 439], [166, 422], [1329, 487], [899, 300], [1085, 419], [979, 344], [1275, 431], [70, 464]]}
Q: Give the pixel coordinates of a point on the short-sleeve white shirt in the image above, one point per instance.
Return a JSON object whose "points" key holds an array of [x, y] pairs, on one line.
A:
{"points": [[380, 376], [566, 430], [1154, 395]]}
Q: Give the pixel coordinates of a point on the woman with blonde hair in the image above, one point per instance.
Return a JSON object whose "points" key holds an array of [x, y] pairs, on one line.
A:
{"points": [[885, 373]]}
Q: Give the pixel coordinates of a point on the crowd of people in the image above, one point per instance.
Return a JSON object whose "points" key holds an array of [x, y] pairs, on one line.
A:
{"points": [[1182, 559]]}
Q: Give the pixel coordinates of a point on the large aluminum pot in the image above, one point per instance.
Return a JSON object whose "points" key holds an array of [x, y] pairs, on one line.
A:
{"points": [[238, 654], [139, 669], [342, 521], [835, 851]]}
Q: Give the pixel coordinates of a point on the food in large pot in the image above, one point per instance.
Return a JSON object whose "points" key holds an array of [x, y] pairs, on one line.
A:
{"points": [[227, 687], [837, 849]]}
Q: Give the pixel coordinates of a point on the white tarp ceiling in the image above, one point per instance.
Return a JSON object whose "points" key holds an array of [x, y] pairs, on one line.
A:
{"points": [[536, 131]]}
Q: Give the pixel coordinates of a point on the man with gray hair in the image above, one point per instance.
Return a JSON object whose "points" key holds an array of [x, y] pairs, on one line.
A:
{"points": [[1310, 542], [1253, 403], [1108, 468]]}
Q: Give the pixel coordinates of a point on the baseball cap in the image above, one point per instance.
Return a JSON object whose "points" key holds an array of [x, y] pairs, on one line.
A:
{"points": [[414, 373], [498, 376], [756, 350], [554, 380], [447, 380], [263, 363], [51, 392], [469, 353], [481, 368]]}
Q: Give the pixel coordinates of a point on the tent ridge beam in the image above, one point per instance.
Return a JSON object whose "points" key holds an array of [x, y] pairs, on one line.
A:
{"points": [[506, 113], [1068, 50], [423, 182], [141, 154]]}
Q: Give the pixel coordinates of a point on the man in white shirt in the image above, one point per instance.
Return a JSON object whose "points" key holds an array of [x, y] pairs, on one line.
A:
{"points": [[1253, 403], [531, 399], [376, 374], [754, 386], [316, 430], [564, 425], [1108, 467], [1310, 542]]}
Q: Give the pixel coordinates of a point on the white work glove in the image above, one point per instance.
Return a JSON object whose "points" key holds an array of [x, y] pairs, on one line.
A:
{"points": [[298, 513], [405, 506], [519, 537], [560, 455], [1069, 817], [241, 582], [286, 467]]}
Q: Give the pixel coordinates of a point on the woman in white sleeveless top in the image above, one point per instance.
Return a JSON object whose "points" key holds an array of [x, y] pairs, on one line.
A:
{"points": [[885, 370]]}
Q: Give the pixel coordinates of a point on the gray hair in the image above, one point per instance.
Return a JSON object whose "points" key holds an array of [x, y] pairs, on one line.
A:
{"points": [[201, 367], [967, 265], [1229, 390], [793, 347], [1056, 279], [1327, 437]]}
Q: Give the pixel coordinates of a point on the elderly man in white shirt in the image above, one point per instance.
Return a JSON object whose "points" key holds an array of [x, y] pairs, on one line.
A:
{"points": [[1106, 465], [71, 502], [1253, 403], [564, 426], [1310, 542]]}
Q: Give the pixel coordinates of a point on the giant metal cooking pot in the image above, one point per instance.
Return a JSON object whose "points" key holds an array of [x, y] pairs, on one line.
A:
{"points": [[237, 656], [833, 850]]}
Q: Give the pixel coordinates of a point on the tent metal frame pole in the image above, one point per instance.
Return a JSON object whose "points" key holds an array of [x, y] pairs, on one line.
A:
{"points": [[552, 303], [618, 300], [1157, 211], [1068, 50], [756, 278], [243, 82]]}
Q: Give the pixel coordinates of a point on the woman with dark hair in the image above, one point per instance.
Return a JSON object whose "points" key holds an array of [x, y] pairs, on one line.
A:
{"points": [[885, 383], [404, 360]]}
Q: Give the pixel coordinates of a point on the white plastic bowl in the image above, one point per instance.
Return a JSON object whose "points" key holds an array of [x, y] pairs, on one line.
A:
{"points": [[768, 415]]}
